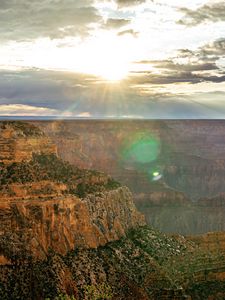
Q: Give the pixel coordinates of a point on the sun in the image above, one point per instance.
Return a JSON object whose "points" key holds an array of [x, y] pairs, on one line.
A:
{"points": [[112, 70], [107, 58], [109, 64]]}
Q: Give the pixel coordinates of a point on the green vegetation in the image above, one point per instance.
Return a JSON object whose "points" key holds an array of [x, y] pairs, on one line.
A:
{"points": [[203, 290], [50, 167], [98, 292], [91, 292], [62, 297], [145, 263]]}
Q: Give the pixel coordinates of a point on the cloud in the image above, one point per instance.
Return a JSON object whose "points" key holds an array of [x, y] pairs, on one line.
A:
{"points": [[46, 93], [188, 66], [128, 31], [26, 110], [53, 90], [27, 20], [211, 12], [116, 23], [124, 3], [216, 48], [84, 114], [175, 77], [207, 55]]}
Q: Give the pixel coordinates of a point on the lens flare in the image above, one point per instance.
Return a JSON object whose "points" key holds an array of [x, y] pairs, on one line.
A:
{"points": [[142, 149], [155, 174]]}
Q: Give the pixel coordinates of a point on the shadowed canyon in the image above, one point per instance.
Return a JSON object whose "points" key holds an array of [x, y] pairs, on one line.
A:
{"points": [[175, 169]]}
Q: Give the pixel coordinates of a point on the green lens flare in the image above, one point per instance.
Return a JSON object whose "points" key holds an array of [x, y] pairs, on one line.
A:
{"points": [[155, 174], [143, 149]]}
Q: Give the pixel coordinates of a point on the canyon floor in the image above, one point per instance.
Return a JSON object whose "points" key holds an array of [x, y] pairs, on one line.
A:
{"points": [[70, 231]]}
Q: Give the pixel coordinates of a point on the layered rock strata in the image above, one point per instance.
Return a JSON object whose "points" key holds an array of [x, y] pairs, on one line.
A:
{"points": [[46, 204]]}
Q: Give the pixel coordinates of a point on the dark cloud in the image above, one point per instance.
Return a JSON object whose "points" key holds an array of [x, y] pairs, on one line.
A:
{"points": [[75, 94], [175, 77], [187, 66], [128, 31], [25, 19], [212, 12], [217, 48], [207, 54], [40, 92], [123, 3], [116, 23]]}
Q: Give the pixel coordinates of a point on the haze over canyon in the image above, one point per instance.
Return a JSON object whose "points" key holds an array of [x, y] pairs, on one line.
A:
{"points": [[175, 168]]}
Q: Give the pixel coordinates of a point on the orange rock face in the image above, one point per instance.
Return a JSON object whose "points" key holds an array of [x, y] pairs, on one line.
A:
{"points": [[17, 146], [212, 241], [66, 222], [40, 215]]}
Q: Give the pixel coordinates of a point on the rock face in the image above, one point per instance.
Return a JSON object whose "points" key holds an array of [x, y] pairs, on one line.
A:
{"points": [[66, 222], [144, 265], [190, 162], [18, 142], [212, 241], [46, 204]]}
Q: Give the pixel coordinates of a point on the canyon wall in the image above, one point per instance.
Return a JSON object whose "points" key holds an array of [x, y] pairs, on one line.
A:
{"points": [[169, 185], [65, 222], [47, 204], [18, 143]]}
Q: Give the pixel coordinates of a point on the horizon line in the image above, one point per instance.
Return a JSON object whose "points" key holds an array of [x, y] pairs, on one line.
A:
{"points": [[60, 118]]}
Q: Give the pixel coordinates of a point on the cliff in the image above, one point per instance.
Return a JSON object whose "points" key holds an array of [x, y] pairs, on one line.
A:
{"points": [[145, 264], [48, 204], [18, 142], [64, 222]]}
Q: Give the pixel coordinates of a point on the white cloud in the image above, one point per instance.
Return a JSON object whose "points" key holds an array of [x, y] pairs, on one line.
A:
{"points": [[26, 110], [85, 114], [53, 35]]}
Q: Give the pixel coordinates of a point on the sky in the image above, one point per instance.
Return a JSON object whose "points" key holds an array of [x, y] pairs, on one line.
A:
{"points": [[112, 59]]}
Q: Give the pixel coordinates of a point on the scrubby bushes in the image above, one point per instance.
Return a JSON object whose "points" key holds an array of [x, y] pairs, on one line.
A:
{"points": [[22, 128], [50, 167]]}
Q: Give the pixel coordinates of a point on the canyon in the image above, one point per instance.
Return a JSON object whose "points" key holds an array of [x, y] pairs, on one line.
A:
{"points": [[186, 196], [41, 210], [67, 230]]}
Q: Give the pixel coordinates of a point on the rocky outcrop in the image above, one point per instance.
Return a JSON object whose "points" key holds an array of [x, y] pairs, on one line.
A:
{"points": [[145, 264], [136, 267], [47, 204], [64, 223], [18, 142]]}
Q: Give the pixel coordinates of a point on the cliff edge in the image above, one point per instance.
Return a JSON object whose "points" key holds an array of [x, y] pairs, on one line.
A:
{"points": [[46, 204]]}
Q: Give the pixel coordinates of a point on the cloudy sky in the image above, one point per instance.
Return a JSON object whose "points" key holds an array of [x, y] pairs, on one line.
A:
{"points": [[109, 59]]}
